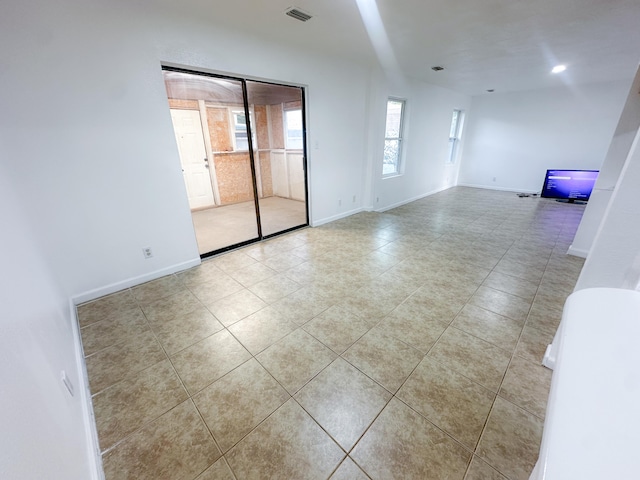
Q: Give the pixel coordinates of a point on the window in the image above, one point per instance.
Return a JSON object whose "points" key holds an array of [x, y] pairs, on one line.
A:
{"points": [[239, 130], [241, 142], [454, 136], [293, 129], [393, 137]]}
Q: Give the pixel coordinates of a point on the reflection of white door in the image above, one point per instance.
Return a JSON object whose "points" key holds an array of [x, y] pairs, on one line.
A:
{"points": [[193, 157]]}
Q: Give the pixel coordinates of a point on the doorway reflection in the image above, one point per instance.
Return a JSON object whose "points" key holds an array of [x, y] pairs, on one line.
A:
{"points": [[234, 148]]}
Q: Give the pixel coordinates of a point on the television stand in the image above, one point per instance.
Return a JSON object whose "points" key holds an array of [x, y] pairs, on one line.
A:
{"points": [[571, 200]]}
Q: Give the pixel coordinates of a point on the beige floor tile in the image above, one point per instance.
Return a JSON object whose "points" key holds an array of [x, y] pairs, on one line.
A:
{"points": [[114, 363], [479, 470], [474, 358], [236, 306], [213, 290], [236, 403], [218, 471], [348, 470], [170, 307], [403, 444], [385, 359], [283, 261], [337, 286], [478, 258], [451, 401], [106, 308], [407, 323], [338, 328], [252, 274], [156, 289], [274, 288], [302, 305], [439, 252], [230, 262], [527, 385], [343, 401], [203, 273], [438, 303], [500, 331], [520, 270], [511, 440], [513, 285], [204, 362], [261, 329], [533, 344], [296, 359], [370, 307], [140, 398], [183, 331], [105, 333], [176, 445], [289, 444], [501, 303], [544, 318]]}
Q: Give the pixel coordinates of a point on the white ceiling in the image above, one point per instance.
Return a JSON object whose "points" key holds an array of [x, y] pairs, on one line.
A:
{"points": [[506, 45]]}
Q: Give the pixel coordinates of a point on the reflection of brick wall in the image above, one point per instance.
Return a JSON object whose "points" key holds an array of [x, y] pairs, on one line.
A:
{"points": [[261, 126], [234, 177], [183, 104], [219, 132], [265, 173], [277, 129]]}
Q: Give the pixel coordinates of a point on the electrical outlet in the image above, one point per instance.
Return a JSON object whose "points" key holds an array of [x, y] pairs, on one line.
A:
{"points": [[354, 199], [339, 202], [377, 199], [147, 252], [494, 179]]}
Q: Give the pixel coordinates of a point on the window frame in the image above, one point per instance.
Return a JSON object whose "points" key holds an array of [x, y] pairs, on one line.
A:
{"points": [[285, 122], [239, 110], [457, 134], [399, 138]]}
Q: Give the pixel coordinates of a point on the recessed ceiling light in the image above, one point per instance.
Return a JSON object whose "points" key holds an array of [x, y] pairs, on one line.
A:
{"points": [[558, 69], [437, 68]]}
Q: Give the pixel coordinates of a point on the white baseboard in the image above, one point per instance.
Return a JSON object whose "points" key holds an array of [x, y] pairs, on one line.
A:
{"points": [[91, 431], [412, 199], [577, 252], [131, 282], [492, 187], [317, 223]]}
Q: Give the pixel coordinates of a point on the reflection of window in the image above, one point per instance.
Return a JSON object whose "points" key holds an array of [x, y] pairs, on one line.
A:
{"points": [[293, 129], [393, 137], [240, 140], [454, 135]]}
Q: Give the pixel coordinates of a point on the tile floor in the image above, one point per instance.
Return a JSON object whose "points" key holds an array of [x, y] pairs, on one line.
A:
{"points": [[400, 345], [239, 221]]}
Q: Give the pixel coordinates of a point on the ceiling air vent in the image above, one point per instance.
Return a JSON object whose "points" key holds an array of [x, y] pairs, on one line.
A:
{"points": [[298, 14]]}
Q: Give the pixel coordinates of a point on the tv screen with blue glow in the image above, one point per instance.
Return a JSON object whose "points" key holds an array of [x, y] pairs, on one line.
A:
{"points": [[569, 184]]}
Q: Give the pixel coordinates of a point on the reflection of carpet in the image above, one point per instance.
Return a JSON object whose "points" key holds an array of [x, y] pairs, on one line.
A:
{"points": [[220, 227]]}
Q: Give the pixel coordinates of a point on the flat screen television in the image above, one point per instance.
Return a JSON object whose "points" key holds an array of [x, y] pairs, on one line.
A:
{"points": [[572, 186]]}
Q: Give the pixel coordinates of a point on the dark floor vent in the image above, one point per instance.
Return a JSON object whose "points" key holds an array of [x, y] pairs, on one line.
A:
{"points": [[298, 14]]}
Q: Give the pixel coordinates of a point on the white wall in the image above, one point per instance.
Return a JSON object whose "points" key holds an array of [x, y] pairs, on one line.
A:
{"points": [[609, 172], [516, 137], [614, 258], [42, 433], [88, 148], [425, 143]]}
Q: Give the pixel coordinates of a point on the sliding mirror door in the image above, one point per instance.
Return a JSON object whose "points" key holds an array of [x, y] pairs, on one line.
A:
{"points": [[242, 152], [280, 155], [211, 130]]}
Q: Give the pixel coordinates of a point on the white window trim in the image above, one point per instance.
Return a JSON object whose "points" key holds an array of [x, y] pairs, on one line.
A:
{"points": [[401, 137], [454, 142]]}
